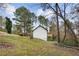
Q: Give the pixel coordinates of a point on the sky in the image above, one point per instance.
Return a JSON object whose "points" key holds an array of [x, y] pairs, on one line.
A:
{"points": [[36, 8], [11, 8]]}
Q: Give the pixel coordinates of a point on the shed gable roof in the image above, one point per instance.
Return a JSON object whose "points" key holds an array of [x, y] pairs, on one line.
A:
{"points": [[40, 26]]}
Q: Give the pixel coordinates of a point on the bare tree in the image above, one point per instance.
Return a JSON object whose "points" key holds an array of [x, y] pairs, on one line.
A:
{"points": [[64, 22], [48, 6], [56, 5]]}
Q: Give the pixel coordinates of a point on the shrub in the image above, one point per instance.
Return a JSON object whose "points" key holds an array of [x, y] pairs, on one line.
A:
{"points": [[51, 38], [3, 30], [70, 42]]}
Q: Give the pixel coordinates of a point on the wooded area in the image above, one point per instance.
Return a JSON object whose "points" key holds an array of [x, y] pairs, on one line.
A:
{"points": [[61, 31]]}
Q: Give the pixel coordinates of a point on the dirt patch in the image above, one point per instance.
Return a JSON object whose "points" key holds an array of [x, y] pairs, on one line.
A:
{"points": [[6, 45]]}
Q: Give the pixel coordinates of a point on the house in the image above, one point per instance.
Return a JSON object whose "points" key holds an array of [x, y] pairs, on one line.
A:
{"points": [[40, 32]]}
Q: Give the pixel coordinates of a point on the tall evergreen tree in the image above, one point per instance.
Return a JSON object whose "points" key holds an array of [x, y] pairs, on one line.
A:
{"points": [[8, 25], [43, 21], [25, 19]]}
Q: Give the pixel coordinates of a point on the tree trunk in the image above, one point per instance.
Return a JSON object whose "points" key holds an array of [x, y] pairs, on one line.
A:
{"points": [[65, 33], [24, 29], [64, 23], [57, 23]]}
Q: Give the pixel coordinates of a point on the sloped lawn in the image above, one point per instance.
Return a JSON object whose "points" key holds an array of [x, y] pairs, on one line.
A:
{"points": [[13, 45]]}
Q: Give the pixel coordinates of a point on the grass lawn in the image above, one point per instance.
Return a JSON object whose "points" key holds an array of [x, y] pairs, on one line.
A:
{"points": [[21, 46]]}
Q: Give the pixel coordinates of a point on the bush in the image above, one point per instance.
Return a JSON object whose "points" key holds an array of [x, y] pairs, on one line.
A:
{"points": [[70, 42], [51, 38], [3, 30]]}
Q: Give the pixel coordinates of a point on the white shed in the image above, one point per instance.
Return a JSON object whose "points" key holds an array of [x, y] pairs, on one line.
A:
{"points": [[40, 32]]}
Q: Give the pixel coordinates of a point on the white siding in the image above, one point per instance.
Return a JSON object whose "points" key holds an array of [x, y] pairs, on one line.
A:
{"points": [[40, 33]]}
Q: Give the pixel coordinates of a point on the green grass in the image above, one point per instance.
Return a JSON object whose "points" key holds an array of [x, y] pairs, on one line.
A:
{"points": [[22, 46]]}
